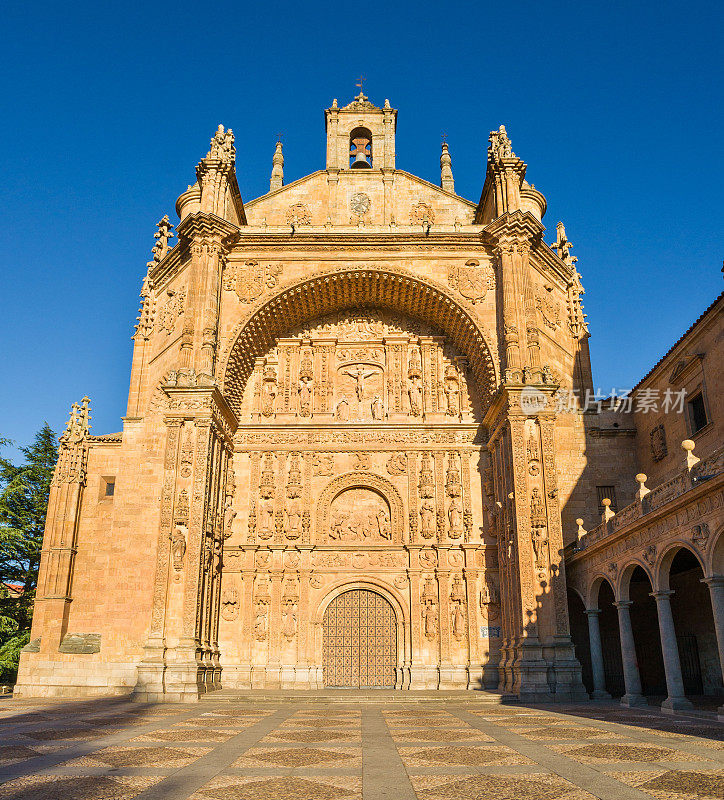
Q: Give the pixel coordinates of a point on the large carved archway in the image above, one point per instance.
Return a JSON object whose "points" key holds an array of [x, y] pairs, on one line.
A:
{"points": [[368, 287]]}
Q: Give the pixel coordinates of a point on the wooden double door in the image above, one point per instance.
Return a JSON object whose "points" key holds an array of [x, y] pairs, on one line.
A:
{"points": [[359, 648]]}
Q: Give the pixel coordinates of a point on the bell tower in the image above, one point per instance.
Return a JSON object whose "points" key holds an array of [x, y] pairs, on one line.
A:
{"points": [[360, 136]]}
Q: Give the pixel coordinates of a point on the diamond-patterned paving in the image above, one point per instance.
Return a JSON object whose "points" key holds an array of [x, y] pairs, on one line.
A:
{"points": [[461, 747]]}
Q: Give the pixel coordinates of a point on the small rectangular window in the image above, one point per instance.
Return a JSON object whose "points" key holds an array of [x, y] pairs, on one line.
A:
{"points": [[697, 413], [604, 492], [110, 487]]}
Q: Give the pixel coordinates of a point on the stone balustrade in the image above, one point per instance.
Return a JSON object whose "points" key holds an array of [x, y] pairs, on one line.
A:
{"points": [[694, 473]]}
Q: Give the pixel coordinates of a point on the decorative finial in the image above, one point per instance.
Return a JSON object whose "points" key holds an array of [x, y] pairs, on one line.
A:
{"points": [[607, 513], [500, 145], [78, 425], [691, 459], [277, 173], [642, 490], [162, 236], [360, 85], [222, 146], [446, 175], [563, 245], [581, 532]]}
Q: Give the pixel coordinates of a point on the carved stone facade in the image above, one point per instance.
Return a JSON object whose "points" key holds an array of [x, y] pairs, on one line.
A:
{"points": [[330, 393]]}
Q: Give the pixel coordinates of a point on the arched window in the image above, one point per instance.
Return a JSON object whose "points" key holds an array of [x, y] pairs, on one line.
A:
{"points": [[360, 149]]}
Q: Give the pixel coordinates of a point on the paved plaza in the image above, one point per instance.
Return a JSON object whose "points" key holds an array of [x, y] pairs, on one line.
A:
{"points": [[270, 749]]}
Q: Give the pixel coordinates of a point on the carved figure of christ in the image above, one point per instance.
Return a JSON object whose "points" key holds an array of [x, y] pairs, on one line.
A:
{"points": [[359, 376]]}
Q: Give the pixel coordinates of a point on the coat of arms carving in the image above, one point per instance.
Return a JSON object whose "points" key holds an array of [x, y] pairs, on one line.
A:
{"points": [[298, 214], [549, 310], [421, 213], [171, 309], [251, 279], [472, 280], [659, 449]]}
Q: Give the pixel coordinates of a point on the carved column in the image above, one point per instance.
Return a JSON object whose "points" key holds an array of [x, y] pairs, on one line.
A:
{"points": [[208, 239], [275, 624], [443, 583], [188, 626]]}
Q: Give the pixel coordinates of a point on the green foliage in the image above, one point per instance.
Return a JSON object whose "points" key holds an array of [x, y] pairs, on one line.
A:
{"points": [[24, 493]]}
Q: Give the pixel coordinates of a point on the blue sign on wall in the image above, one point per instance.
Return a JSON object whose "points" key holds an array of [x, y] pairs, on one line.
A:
{"points": [[490, 632]]}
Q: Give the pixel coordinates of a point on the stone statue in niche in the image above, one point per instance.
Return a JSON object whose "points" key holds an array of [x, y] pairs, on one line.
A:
{"points": [[178, 545], [490, 599], [431, 616], [260, 622], [383, 524], [293, 513], [427, 519], [414, 393], [455, 517], [458, 621], [359, 376], [268, 391], [537, 510], [452, 392], [342, 409], [457, 597], [430, 613], [305, 397], [540, 539], [266, 513], [360, 515], [377, 408], [289, 621], [229, 516]]}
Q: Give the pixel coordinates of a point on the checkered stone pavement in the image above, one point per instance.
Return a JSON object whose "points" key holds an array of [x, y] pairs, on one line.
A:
{"points": [[302, 749]]}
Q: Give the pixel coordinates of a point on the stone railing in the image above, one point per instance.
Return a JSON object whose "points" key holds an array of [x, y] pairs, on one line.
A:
{"points": [[694, 473]]}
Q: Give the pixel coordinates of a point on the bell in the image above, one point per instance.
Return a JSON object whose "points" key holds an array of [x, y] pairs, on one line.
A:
{"points": [[359, 151]]}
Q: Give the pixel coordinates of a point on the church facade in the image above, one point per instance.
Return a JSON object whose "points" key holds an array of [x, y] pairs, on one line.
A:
{"points": [[343, 462]]}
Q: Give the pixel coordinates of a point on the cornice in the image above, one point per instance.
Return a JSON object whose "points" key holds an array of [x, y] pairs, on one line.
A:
{"points": [[202, 224], [359, 240]]}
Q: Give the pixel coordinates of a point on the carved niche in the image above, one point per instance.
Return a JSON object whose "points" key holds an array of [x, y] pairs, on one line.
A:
{"points": [[360, 515], [360, 508]]}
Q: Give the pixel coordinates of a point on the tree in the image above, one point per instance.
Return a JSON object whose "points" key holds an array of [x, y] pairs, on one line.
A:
{"points": [[24, 493]]}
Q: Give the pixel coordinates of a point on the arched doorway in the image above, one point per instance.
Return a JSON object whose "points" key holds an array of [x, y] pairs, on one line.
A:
{"points": [[359, 641], [694, 624], [610, 640], [645, 626]]}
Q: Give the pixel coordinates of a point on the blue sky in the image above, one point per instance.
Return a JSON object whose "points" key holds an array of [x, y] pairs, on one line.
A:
{"points": [[106, 108]]}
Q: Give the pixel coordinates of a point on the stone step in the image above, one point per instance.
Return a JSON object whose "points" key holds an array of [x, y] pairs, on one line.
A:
{"points": [[369, 696]]}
